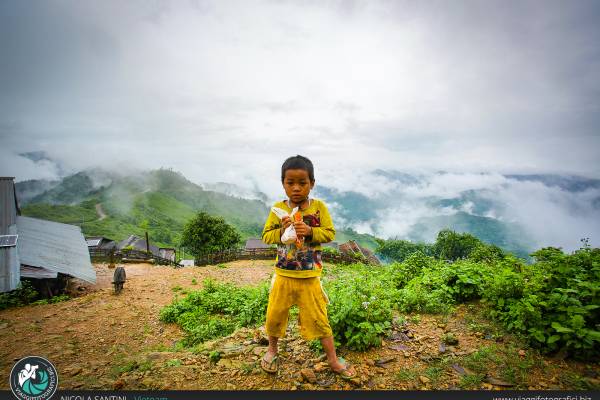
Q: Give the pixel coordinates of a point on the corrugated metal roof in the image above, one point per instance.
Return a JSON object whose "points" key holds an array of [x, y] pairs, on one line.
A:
{"points": [[138, 244], [9, 258], [37, 273], [254, 243], [54, 246], [93, 242]]}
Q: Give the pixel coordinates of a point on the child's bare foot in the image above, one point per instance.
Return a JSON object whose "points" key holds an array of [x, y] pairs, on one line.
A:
{"points": [[269, 362], [343, 368]]}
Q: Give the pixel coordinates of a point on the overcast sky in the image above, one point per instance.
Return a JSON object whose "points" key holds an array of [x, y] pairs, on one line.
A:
{"points": [[226, 90]]}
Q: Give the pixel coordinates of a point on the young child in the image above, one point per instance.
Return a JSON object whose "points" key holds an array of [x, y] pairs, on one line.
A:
{"points": [[298, 267]]}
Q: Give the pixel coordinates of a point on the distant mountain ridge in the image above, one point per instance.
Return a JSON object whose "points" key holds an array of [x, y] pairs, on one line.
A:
{"points": [[161, 201]]}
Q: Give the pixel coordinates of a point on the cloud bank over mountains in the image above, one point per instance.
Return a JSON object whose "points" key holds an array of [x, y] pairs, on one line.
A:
{"points": [[521, 211]]}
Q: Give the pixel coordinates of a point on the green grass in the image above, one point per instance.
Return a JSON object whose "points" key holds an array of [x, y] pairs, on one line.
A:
{"points": [[175, 362], [247, 368], [482, 359], [405, 375], [75, 215], [131, 365], [501, 362], [471, 381], [434, 373], [577, 382]]}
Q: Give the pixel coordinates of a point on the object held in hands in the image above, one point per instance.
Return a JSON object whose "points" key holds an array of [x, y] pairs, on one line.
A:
{"points": [[289, 235]]}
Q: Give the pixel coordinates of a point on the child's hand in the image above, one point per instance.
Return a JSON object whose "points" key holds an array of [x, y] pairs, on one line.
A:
{"points": [[302, 229], [286, 221]]}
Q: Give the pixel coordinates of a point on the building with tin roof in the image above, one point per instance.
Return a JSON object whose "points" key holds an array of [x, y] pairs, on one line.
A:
{"points": [[36, 248]]}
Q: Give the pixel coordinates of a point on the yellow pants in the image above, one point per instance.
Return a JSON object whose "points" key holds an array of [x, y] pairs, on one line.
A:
{"points": [[308, 294]]}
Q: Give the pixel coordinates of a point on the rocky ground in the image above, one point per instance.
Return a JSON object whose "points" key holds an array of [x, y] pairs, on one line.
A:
{"points": [[99, 340]]}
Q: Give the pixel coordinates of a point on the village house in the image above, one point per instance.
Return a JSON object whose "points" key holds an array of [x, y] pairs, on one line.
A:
{"points": [[256, 244], [352, 248], [48, 253], [136, 243], [100, 243]]}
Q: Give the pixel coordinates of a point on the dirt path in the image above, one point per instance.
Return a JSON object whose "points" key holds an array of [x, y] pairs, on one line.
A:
{"points": [[88, 335], [100, 212], [101, 340]]}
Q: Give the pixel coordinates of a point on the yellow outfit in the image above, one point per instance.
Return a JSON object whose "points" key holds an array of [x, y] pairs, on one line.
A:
{"points": [[304, 262], [310, 298], [297, 274]]}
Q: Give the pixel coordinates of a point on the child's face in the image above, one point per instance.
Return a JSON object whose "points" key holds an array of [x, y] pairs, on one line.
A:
{"points": [[297, 185]]}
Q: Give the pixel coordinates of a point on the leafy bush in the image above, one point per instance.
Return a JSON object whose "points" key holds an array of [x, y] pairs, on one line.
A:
{"points": [[217, 310], [24, 294], [52, 300], [360, 311], [412, 267], [330, 251], [555, 302], [440, 285], [417, 296], [399, 250], [451, 245], [487, 253]]}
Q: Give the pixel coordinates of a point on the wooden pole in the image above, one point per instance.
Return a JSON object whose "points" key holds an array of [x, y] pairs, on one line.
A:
{"points": [[147, 244]]}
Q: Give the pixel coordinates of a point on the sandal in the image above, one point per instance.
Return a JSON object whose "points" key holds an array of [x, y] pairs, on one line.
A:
{"points": [[269, 366], [345, 373]]}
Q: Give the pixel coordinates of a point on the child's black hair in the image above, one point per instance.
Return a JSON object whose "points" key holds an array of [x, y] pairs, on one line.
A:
{"points": [[298, 162]]}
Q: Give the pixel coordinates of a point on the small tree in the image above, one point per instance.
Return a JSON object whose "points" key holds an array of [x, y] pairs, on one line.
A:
{"points": [[451, 245], [399, 250], [206, 233]]}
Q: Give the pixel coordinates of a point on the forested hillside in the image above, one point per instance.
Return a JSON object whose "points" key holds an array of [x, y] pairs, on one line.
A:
{"points": [[159, 201]]}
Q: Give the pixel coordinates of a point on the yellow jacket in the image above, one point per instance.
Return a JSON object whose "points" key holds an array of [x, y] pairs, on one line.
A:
{"points": [[306, 261]]}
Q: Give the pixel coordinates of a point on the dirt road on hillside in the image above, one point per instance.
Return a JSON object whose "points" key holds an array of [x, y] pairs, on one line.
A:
{"points": [[100, 212]]}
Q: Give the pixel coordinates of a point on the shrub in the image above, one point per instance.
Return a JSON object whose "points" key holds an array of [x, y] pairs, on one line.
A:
{"points": [[412, 267], [417, 296], [555, 302], [451, 245], [330, 251], [399, 250], [486, 253], [360, 311], [217, 310], [24, 294], [441, 285]]}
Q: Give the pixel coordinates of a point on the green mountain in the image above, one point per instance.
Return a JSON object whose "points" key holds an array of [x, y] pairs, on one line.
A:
{"points": [[162, 201], [159, 202]]}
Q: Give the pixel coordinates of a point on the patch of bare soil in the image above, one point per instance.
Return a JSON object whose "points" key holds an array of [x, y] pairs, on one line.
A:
{"points": [[100, 340]]}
